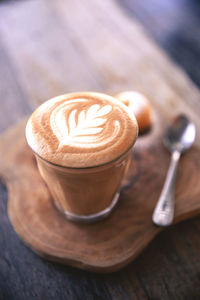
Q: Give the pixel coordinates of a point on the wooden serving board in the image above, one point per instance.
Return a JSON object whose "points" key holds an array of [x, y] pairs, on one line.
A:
{"points": [[109, 244]]}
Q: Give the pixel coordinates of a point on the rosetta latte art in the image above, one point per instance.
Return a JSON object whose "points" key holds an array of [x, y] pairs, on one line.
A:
{"points": [[82, 128]]}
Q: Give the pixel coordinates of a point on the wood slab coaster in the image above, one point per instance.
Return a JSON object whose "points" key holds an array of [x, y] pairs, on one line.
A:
{"points": [[111, 243]]}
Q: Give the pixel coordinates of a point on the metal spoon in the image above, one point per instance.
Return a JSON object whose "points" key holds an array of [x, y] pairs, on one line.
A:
{"points": [[179, 137]]}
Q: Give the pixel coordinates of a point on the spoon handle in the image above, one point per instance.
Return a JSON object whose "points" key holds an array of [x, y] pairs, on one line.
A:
{"points": [[164, 211]]}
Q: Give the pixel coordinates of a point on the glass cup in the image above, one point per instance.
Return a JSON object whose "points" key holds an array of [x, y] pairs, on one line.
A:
{"points": [[85, 194], [98, 133]]}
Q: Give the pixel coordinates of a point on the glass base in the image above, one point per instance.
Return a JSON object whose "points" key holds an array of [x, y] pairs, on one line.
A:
{"points": [[92, 217]]}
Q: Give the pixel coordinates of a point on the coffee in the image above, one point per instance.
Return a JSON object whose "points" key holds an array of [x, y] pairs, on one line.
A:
{"points": [[82, 143]]}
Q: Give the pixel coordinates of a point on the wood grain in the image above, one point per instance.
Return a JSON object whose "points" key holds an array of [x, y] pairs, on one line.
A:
{"points": [[96, 247], [13, 99], [100, 61]]}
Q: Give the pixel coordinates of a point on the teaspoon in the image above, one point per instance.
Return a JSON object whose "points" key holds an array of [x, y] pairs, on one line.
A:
{"points": [[179, 138]]}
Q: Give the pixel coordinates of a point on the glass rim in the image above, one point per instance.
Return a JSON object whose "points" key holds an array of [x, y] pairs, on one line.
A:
{"points": [[89, 167]]}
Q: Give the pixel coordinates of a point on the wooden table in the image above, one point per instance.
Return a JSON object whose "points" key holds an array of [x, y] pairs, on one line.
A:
{"points": [[51, 47]]}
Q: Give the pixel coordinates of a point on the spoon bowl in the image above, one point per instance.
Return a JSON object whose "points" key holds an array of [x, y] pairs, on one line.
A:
{"points": [[180, 135]]}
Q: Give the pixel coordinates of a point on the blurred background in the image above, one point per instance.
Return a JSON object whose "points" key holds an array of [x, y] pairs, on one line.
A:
{"points": [[52, 47]]}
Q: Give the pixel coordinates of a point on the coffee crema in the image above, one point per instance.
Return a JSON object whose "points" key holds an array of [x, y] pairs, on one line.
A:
{"points": [[81, 130]]}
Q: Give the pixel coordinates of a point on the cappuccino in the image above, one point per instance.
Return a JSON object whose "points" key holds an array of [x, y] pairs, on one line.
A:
{"points": [[82, 144]]}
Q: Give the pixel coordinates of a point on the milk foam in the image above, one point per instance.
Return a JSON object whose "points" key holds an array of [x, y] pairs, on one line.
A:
{"points": [[81, 129]]}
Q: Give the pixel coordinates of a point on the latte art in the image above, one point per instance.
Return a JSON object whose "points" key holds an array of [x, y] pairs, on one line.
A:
{"points": [[81, 130]]}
